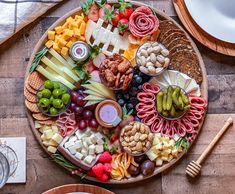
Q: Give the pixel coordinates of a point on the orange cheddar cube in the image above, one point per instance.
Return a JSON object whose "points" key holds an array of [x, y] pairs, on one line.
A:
{"points": [[69, 44], [76, 32], [59, 29], [49, 43], [64, 51], [56, 47], [62, 42], [51, 35], [82, 38], [68, 34], [82, 28]]}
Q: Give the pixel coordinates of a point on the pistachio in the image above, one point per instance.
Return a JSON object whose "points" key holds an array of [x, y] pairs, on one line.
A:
{"points": [[142, 128], [149, 64], [156, 49], [148, 145], [153, 58], [151, 69], [144, 53], [165, 52], [127, 139], [143, 69], [161, 59], [132, 144], [166, 62], [150, 50], [131, 138], [150, 137], [157, 64], [137, 137], [139, 146], [143, 137], [142, 60]]}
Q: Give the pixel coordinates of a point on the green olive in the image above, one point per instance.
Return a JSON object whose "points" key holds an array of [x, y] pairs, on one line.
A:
{"points": [[48, 84], [51, 99], [56, 85], [64, 89], [57, 103], [46, 93], [65, 98], [39, 95], [44, 102], [53, 111], [45, 109], [57, 93]]}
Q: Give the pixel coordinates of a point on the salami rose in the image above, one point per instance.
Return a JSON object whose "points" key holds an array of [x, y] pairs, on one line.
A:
{"points": [[142, 22]]}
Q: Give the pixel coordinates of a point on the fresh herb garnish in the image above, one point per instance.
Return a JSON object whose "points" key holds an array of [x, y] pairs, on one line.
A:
{"points": [[182, 142], [94, 51], [57, 157], [86, 6], [125, 113], [102, 3], [82, 73], [84, 174], [37, 59]]}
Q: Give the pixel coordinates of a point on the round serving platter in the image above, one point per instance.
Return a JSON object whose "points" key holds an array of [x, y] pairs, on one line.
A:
{"points": [[203, 88]]}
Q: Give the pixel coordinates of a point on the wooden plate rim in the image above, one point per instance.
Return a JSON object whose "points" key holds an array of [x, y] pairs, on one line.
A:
{"points": [[204, 92], [198, 33]]}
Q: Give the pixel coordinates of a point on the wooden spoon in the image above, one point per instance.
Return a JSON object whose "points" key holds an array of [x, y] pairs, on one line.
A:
{"points": [[194, 168]]}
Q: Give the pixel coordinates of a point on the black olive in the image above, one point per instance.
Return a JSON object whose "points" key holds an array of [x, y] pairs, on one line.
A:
{"points": [[133, 170]]}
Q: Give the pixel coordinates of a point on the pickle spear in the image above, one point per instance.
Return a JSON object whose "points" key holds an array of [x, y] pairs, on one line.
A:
{"points": [[159, 101]]}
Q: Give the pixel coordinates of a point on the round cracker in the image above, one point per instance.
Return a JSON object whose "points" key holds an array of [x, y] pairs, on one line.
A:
{"points": [[30, 89], [32, 106], [35, 80], [30, 96], [40, 117]]}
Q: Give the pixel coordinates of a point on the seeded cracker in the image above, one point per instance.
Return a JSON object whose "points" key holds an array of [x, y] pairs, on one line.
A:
{"points": [[35, 80], [32, 106], [30, 96], [40, 117]]}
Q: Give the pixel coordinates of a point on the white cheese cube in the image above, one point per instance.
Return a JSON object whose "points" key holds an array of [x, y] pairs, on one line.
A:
{"points": [[69, 144], [84, 152], [85, 145], [158, 146], [78, 134], [100, 141], [45, 128], [151, 155], [73, 138], [156, 140], [53, 143], [43, 137], [159, 162], [87, 140], [99, 135], [88, 131], [37, 125], [55, 129], [72, 149], [172, 143], [164, 158], [51, 149], [170, 157], [46, 143], [93, 138], [91, 149], [57, 138], [99, 149], [174, 152], [88, 159], [48, 134], [78, 143], [79, 156]]}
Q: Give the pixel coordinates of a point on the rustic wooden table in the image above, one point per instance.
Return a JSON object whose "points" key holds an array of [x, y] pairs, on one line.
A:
{"points": [[218, 171]]}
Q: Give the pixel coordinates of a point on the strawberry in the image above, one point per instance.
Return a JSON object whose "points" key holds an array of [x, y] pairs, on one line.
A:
{"points": [[103, 178], [123, 25], [91, 173], [103, 10], [112, 16], [107, 168], [98, 170], [93, 13], [105, 157], [125, 9]]}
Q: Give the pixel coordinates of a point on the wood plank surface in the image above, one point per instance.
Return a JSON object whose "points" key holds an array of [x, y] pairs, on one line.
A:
{"points": [[218, 171]]}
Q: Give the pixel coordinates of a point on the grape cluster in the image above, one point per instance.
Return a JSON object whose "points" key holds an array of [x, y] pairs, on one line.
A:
{"points": [[128, 98], [84, 115]]}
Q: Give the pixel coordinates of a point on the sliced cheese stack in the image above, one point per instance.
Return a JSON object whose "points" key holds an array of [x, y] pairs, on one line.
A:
{"points": [[50, 136], [163, 149], [171, 77], [85, 146]]}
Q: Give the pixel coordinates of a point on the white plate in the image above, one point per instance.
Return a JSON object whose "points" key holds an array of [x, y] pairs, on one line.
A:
{"points": [[216, 17]]}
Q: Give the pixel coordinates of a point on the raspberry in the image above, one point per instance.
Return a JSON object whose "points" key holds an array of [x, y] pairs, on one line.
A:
{"points": [[105, 157], [91, 173], [107, 168], [104, 178], [98, 170]]}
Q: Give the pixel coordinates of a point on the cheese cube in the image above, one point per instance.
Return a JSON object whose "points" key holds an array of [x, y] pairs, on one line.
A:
{"points": [[164, 158], [170, 157], [48, 134], [69, 44], [88, 131], [99, 135], [85, 145], [59, 29], [54, 128], [151, 155], [87, 140], [156, 140], [159, 162], [174, 152], [45, 128], [99, 149], [53, 143], [69, 144], [76, 32], [62, 42], [72, 149], [100, 141], [57, 138], [73, 138], [49, 43], [65, 52], [46, 143], [51, 35], [82, 38], [79, 156], [166, 152], [93, 139], [88, 159], [56, 47], [78, 134], [91, 149], [159, 146], [172, 143], [51, 149], [78, 23], [67, 34], [84, 152], [37, 125], [43, 137], [82, 28], [79, 144]]}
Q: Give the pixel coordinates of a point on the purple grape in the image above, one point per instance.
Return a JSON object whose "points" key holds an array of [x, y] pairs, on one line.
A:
{"points": [[93, 123], [74, 96], [80, 101], [78, 111], [72, 106], [87, 114], [91, 107], [82, 125]]}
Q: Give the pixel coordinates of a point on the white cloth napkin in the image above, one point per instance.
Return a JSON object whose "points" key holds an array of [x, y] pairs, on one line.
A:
{"points": [[15, 14]]}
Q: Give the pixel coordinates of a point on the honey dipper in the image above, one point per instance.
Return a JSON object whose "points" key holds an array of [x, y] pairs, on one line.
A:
{"points": [[193, 169]]}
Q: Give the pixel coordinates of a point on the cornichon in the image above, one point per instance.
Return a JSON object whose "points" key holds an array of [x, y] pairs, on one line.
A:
{"points": [[159, 101], [169, 98], [164, 100], [172, 112], [175, 96], [184, 97], [181, 104]]}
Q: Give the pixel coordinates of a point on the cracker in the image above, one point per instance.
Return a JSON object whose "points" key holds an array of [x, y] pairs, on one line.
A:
{"points": [[173, 36], [178, 41], [40, 117], [47, 122], [180, 47], [35, 80], [32, 106], [30, 96], [169, 33]]}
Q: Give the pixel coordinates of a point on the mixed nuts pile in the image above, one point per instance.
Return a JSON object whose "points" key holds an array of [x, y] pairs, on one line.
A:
{"points": [[152, 58], [116, 72], [136, 138]]}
